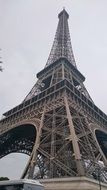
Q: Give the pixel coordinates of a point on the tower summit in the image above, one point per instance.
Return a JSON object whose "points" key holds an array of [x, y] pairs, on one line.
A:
{"points": [[58, 125], [62, 44]]}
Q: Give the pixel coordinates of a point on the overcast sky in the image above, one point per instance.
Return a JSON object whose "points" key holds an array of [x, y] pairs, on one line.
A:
{"points": [[27, 29]]}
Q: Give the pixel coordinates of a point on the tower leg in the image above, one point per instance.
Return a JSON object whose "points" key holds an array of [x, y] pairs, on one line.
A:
{"points": [[36, 146], [74, 140]]}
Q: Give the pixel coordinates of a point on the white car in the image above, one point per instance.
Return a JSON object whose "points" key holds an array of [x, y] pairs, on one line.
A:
{"points": [[22, 184]]}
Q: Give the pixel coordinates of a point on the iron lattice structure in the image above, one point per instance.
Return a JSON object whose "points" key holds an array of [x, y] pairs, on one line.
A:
{"points": [[62, 43], [58, 125]]}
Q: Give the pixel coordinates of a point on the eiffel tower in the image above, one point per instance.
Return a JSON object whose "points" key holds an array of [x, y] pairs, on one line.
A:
{"points": [[58, 125]]}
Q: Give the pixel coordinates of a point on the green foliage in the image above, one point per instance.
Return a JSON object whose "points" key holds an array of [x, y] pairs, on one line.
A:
{"points": [[4, 178]]}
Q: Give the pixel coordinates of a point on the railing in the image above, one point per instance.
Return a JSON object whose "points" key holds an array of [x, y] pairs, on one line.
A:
{"points": [[75, 94]]}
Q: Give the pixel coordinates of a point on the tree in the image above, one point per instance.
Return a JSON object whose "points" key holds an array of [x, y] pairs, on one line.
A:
{"points": [[4, 178]]}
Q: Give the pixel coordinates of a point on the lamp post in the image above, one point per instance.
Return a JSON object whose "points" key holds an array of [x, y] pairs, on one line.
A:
{"points": [[99, 175], [99, 172]]}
